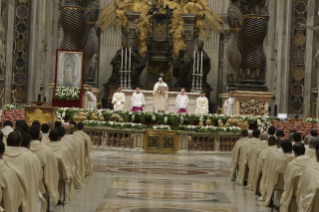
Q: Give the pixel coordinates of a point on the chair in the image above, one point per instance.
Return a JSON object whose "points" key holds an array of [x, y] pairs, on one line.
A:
{"points": [[293, 207], [279, 187]]}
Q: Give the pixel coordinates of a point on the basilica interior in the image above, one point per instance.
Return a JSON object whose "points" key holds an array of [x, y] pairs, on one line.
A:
{"points": [[159, 105]]}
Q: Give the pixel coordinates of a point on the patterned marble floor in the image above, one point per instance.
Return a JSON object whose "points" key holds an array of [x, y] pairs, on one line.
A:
{"points": [[128, 182]]}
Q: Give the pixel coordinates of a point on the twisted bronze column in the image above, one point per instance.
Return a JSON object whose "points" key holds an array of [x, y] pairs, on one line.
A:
{"points": [[255, 25], [235, 22]]}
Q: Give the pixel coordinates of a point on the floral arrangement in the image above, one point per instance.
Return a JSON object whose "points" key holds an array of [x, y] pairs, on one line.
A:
{"points": [[67, 93], [9, 107], [311, 120], [209, 129], [161, 127], [123, 125], [263, 123]]}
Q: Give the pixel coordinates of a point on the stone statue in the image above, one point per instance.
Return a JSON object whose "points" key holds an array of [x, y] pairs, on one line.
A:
{"points": [[182, 69], [206, 64], [138, 65], [116, 63]]}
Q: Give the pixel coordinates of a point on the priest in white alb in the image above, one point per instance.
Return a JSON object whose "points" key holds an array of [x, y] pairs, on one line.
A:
{"points": [[201, 104], [138, 100], [7, 129], [311, 150], [160, 93], [91, 99], [88, 149], [182, 102], [229, 104], [295, 168], [119, 100]]}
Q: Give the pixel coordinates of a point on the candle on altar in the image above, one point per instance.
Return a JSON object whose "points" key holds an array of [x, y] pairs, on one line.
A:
{"points": [[125, 63], [129, 59], [198, 57], [201, 63], [121, 59], [194, 62]]}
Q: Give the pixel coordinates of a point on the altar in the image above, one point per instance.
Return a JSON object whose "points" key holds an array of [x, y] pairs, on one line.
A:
{"points": [[149, 100]]}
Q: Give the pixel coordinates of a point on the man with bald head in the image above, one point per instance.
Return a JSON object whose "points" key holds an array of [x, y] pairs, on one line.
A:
{"points": [[253, 158], [51, 125], [311, 151], [294, 169]]}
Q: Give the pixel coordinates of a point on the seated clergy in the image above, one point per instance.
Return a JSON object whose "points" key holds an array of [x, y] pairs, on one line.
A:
{"points": [[314, 133], [253, 158], [261, 162], [7, 129], [61, 155], [11, 193], [271, 131], [296, 137], [119, 100], [28, 170], [294, 169], [307, 186], [311, 151], [138, 100], [48, 162], [202, 104], [279, 165], [305, 141], [88, 149], [235, 154], [45, 133], [243, 156], [182, 102], [51, 125]]}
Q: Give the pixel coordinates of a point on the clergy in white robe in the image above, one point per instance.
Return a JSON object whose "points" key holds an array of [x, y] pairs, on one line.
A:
{"points": [[28, 169], [138, 100], [294, 169], [261, 162], [307, 187], [202, 104], [91, 99], [119, 100], [278, 166], [253, 158], [11, 193], [182, 102], [160, 92], [229, 104], [48, 162], [63, 165], [243, 157], [236, 152], [45, 133], [88, 149], [311, 151], [7, 129]]}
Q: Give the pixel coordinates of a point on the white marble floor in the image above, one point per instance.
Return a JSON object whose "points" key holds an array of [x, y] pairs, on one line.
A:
{"points": [[127, 182]]}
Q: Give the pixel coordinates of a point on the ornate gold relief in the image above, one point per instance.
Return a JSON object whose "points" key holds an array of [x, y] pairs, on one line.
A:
{"points": [[252, 107], [38, 114]]}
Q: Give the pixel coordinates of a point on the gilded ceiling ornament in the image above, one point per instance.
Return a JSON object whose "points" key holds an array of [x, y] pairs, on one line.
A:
{"points": [[298, 74], [299, 39]]}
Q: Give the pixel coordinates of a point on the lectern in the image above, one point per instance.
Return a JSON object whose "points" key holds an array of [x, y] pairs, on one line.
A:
{"points": [[39, 111]]}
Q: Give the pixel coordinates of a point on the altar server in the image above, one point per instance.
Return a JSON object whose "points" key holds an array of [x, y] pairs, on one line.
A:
{"points": [[253, 158], [11, 192], [88, 149], [229, 104], [160, 96], [243, 157], [307, 186], [182, 102], [119, 100], [294, 169], [279, 165], [138, 100], [28, 170], [7, 129], [48, 162], [311, 150], [91, 99], [202, 104], [63, 164], [236, 152]]}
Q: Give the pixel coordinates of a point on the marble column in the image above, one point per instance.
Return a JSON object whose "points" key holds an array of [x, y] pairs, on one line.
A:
{"points": [[188, 32]]}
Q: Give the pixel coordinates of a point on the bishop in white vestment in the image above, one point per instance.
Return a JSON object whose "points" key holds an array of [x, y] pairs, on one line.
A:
{"points": [[119, 100], [182, 102], [91, 99], [160, 96], [229, 104], [202, 104], [138, 101]]}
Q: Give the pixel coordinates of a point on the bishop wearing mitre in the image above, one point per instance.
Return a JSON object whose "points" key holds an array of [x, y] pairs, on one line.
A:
{"points": [[182, 102], [202, 104], [138, 100], [119, 100], [229, 104], [160, 93]]}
